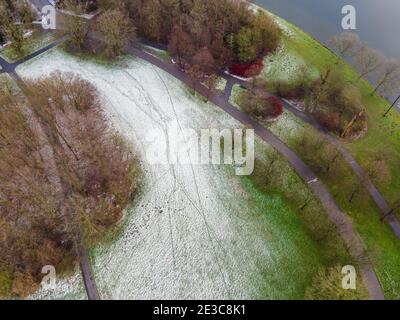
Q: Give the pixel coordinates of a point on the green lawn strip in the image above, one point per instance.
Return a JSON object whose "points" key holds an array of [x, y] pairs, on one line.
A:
{"points": [[34, 42], [383, 137], [300, 214], [383, 247]]}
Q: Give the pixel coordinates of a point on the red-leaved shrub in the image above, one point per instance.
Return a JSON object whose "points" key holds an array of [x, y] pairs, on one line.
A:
{"points": [[275, 107], [248, 69]]}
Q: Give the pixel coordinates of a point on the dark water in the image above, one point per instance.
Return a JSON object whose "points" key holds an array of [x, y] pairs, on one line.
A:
{"points": [[378, 21]]}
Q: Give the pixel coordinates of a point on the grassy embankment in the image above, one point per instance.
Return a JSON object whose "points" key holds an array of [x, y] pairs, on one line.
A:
{"points": [[301, 49]]}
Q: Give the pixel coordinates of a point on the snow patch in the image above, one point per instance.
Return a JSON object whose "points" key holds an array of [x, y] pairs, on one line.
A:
{"points": [[189, 234]]}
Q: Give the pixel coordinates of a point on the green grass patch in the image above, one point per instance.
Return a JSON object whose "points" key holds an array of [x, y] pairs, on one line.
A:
{"points": [[39, 39]]}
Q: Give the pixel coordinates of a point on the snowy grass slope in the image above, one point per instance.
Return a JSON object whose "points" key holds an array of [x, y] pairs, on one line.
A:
{"points": [[194, 232]]}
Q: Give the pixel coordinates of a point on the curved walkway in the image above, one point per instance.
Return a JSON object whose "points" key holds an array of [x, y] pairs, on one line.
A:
{"points": [[340, 219]]}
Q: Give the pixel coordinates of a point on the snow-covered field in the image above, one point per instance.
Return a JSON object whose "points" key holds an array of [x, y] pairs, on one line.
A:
{"points": [[192, 232]]}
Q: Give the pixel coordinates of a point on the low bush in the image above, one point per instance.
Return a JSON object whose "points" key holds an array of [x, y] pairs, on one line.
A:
{"points": [[248, 69]]}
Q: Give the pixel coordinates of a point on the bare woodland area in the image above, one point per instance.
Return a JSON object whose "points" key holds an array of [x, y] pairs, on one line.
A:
{"points": [[66, 177]]}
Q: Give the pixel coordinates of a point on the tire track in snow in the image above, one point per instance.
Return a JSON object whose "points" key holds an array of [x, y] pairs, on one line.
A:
{"points": [[209, 229]]}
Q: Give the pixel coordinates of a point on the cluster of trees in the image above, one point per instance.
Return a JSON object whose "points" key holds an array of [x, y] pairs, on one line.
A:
{"points": [[116, 29], [325, 160], [336, 104], [339, 107], [220, 31], [15, 16], [65, 176], [383, 72]]}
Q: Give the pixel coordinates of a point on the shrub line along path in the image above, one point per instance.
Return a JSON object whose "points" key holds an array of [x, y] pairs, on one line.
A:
{"points": [[384, 209], [340, 219]]}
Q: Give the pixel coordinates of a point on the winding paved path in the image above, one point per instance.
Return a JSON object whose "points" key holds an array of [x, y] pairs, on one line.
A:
{"points": [[383, 206], [340, 219]]}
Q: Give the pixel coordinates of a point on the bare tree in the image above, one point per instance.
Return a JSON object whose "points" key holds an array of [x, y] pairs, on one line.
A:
{"points": [[195, 75], [330, 158], [391, 106], [77, 30], [346, 44], [368, 60], [378, 170], [389, 76], [394, 209], [15, 33]]}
